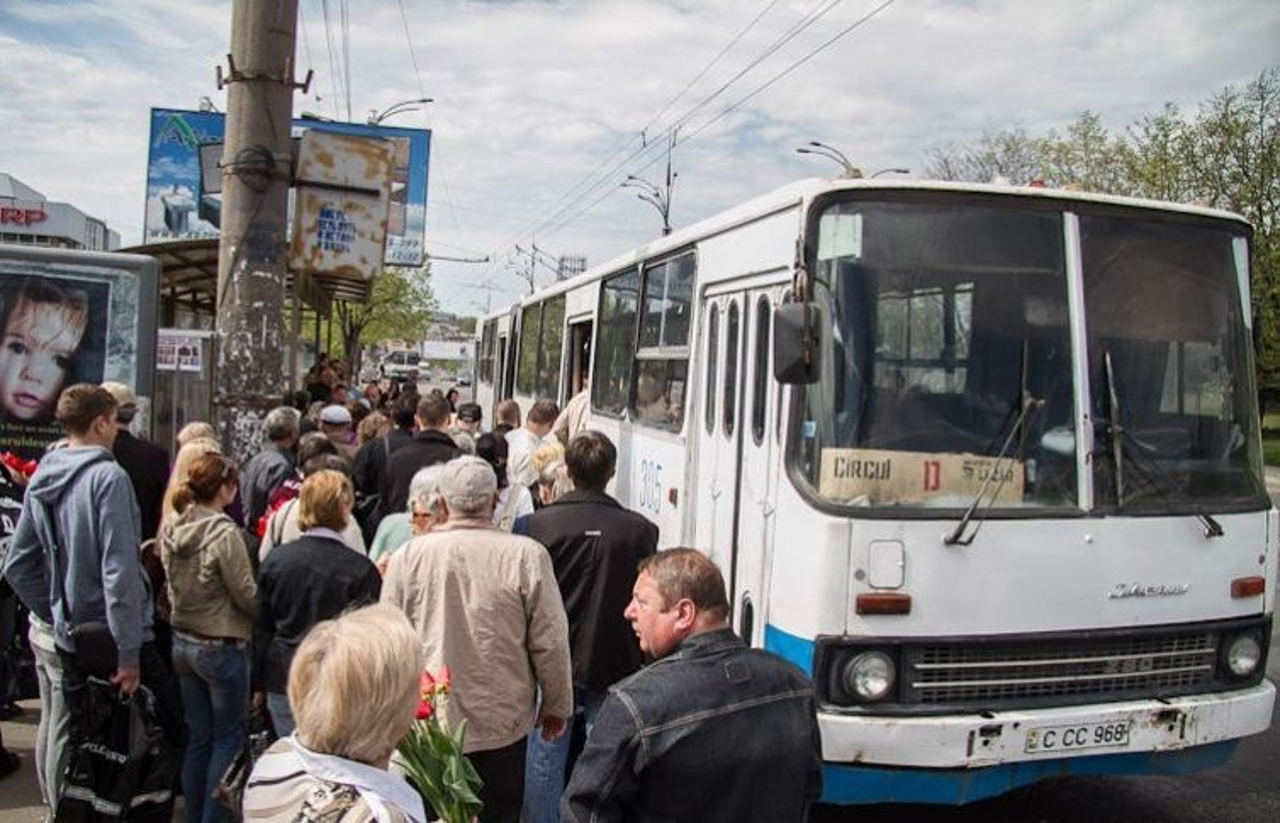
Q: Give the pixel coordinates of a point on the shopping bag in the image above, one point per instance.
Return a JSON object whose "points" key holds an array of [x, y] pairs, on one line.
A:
{"points": [[230, 790], [124, 767]]}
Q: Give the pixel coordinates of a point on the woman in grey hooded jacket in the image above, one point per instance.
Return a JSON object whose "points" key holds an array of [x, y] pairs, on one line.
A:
{"points": [[214, 597]]}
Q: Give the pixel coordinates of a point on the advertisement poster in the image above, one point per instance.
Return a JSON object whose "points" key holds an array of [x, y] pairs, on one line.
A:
{"points": [[53, 333], [184, 200], [66, 317], [176, 351]]}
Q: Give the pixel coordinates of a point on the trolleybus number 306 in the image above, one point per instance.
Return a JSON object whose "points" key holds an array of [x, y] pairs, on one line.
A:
{"points": [[1113, 734]]}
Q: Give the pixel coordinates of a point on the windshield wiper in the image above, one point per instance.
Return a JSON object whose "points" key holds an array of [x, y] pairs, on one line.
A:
{"points": [[1114, 431], [1149, 469], [956, 537]]}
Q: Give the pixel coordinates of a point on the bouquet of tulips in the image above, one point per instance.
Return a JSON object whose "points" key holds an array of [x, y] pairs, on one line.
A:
{"points": [[431, 756]]}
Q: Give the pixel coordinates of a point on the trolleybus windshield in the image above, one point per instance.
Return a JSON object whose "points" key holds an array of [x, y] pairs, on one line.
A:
{"points": [[947, 371]]}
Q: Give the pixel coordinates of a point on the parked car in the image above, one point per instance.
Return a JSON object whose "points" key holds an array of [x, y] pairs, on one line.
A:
{"points": [[401, 365]]}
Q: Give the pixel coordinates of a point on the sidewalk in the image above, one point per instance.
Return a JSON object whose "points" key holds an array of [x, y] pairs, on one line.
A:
{"points": [[19, 792]]}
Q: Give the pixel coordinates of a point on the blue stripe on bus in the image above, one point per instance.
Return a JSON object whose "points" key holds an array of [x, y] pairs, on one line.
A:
{"points": [[795, 649], [862, 784]]}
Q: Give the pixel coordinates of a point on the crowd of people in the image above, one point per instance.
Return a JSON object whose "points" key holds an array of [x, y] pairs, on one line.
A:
{"points": [[597, 676]]}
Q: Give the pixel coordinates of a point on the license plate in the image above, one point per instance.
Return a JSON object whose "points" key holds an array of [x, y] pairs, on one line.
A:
{"points": [[1048, 739]]}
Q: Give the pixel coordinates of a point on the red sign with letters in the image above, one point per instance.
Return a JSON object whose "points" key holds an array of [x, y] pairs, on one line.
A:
{"points": [[22, 216]]}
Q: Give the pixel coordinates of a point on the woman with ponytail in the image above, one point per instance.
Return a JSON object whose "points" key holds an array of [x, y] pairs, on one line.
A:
{"points": [[214, 598]]}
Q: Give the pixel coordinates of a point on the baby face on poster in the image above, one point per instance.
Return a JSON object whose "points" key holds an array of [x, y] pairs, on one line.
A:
{"points": [[42, 333]]}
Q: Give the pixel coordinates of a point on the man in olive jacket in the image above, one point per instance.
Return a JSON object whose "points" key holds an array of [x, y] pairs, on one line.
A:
{"points": [[596, 546]]}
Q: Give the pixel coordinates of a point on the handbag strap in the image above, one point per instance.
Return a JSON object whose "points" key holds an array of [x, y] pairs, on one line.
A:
{"points": [[57, 568]]}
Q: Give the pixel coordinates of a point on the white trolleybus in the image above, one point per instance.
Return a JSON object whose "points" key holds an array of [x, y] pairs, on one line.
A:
{"points": [[984, 461]]}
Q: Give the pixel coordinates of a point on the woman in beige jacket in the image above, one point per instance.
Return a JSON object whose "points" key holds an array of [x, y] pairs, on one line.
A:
{"points": [[214, 597]]}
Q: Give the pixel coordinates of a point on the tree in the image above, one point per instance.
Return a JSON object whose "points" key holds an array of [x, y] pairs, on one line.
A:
{"points": [[1085, 156], [1010, 154], [400, 305], [1158, 157], [1227, 156]]}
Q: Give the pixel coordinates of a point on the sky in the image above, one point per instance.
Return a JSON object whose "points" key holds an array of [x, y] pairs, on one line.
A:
{"points": [[542, 108]]}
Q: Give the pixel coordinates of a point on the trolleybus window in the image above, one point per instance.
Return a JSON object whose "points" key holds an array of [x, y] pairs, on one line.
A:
{"points": [[527, 364], [731, 369], [662, 355], [487, 338], [713, 351], [1169, 367], [760, 371], [615, 343], [541, 342], [949, 358]]}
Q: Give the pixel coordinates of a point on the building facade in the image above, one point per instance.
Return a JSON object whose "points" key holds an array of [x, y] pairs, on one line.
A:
{"points": [[28, 219]]}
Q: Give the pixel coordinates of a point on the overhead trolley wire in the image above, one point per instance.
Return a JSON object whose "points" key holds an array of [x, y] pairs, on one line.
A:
{"points": [[655, 118], [813, 16], [797, 64], [557, 222]]}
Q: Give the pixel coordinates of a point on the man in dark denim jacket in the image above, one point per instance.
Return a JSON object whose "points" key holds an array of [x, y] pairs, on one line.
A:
{"points": [[712, 731]]}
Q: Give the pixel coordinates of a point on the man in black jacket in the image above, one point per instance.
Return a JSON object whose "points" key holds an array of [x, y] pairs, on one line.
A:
{"points": [[431, 445], [712, 731], [146, 463], [596, 546], [372, 461], [268, 469]]}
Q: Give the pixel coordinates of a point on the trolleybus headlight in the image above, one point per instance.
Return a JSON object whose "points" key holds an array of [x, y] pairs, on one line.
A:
{"points": [[869, 676], [1243, 655]]}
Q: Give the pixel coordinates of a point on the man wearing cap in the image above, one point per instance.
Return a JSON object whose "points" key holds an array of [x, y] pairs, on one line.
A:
{"points": [[146, 463], [486, 603], [335, 422], [468, 419]]}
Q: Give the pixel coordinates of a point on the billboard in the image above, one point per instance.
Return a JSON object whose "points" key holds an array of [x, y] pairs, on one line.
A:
{"points": [[184, 200], [67, 317]]}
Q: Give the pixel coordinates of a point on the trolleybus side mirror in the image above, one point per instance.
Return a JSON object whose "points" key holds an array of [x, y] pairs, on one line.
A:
{"points": [[796, 332]]}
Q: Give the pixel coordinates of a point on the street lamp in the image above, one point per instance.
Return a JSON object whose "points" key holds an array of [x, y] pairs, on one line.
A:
{"points": [[376, 117], [654, 196], [891, 171], [831, 153]]}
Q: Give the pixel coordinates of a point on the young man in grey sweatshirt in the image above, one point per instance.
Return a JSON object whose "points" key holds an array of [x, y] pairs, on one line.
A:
{"points": [[81, 506]]}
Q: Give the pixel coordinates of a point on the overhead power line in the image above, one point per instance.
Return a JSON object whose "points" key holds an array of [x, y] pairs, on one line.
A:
{"points": [[572, 190], [607, 179], [559, 221]]}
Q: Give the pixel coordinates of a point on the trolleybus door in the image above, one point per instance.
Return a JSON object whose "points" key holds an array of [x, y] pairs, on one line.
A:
{"points": [[756, 447], [735, 443], [716, 427]]}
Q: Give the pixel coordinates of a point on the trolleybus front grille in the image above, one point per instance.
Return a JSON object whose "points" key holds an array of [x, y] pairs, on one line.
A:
{"points": [[1036, 669]]}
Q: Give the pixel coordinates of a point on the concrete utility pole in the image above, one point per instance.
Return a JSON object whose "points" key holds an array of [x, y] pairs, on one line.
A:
{"points": [[253, 256]]}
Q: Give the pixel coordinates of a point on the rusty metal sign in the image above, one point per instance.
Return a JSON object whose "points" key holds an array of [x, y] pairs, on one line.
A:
{"points": [[342, 191]]}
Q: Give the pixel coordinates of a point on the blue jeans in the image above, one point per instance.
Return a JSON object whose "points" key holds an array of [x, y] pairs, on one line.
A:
{"points": [[214, 681], [281, 715], [546, 761]]}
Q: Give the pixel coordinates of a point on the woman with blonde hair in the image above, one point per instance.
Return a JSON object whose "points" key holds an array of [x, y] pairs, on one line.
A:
{"points": [[214, 600], [374, 425], [196, 430], [199, 447], [304, 581], [354, 681]]}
